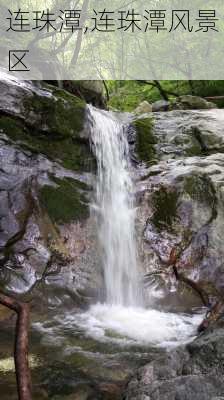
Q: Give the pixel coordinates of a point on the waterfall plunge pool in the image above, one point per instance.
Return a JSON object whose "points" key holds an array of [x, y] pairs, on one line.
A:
{"points": [[125, 326]]}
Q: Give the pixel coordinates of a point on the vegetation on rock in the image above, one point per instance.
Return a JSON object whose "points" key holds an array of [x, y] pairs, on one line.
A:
{"points": [[65, 202], [145, 139]]}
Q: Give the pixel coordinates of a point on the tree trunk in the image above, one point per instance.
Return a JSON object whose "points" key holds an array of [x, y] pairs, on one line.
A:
{"points": [[23, 375], [162, 92], [191, 85]]}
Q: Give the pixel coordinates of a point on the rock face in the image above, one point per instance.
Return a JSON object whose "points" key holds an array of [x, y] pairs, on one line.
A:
{"points": [[181, 215], [46, 232], [181, 196], [192, 373]]}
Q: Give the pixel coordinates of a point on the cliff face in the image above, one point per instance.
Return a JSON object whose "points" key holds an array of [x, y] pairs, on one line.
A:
{"points": [[45, 228], [46, 178], [180, 192], [181, 218]]}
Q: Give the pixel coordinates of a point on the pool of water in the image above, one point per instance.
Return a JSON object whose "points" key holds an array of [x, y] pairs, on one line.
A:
{"points": [[91, 355]]}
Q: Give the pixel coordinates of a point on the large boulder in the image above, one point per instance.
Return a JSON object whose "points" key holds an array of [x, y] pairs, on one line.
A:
{"points": [[46, 120], [179, 134], [91, 91], [188, 102], [186, 213], [44, 194]]}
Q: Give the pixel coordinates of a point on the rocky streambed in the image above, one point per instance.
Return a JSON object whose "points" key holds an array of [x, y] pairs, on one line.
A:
{"points": [[50, 256]]}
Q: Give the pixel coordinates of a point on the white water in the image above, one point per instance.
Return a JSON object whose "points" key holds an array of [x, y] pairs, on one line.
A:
{"points": [[137, 325], [115, 209], [122, 313]]}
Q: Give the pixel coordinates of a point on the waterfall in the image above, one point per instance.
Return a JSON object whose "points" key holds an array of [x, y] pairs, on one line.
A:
{"points": [[114, 206]]}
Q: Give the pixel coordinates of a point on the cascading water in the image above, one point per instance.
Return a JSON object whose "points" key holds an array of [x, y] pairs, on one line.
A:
{"points": [[122, 319], [115, 209]]}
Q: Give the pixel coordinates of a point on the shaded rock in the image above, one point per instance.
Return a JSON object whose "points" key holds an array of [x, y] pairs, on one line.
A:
{"points": [[91, 91], [45, 120]]}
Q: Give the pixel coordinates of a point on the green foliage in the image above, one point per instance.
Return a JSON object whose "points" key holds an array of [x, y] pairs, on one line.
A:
{"points": [[127, 95]]}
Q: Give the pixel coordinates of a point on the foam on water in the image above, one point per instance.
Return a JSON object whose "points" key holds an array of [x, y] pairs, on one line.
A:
{"points": [[125, 326], [139, 325]]}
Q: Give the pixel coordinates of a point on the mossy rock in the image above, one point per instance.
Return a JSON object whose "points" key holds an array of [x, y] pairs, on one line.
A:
{"points": [[58, 114], [73, 154], [64, 202], [188, 102], [47, 120], [91, 91], [146, 140], [165, 206], [200, 189]]}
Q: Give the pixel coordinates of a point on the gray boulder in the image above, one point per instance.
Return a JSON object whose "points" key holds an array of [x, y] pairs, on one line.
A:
{"points": [[160, 105], [188, 102]]}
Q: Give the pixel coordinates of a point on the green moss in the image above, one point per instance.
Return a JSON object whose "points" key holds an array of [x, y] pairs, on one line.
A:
{"points": [[64, 203], [146, 140], [71, 152], [200, 189], [12, 128], [52, 124], [165, 205], [59, 115]]}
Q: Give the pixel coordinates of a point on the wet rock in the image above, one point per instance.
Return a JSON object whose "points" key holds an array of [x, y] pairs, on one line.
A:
{"points": [[41, 201], [186, 213], [188, 133], [180, 203], [145, 139], [195, 372]]}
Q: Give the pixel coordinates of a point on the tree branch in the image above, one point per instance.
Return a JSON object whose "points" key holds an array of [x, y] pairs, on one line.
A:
{"points": [[163, 92], [23, 375]]}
